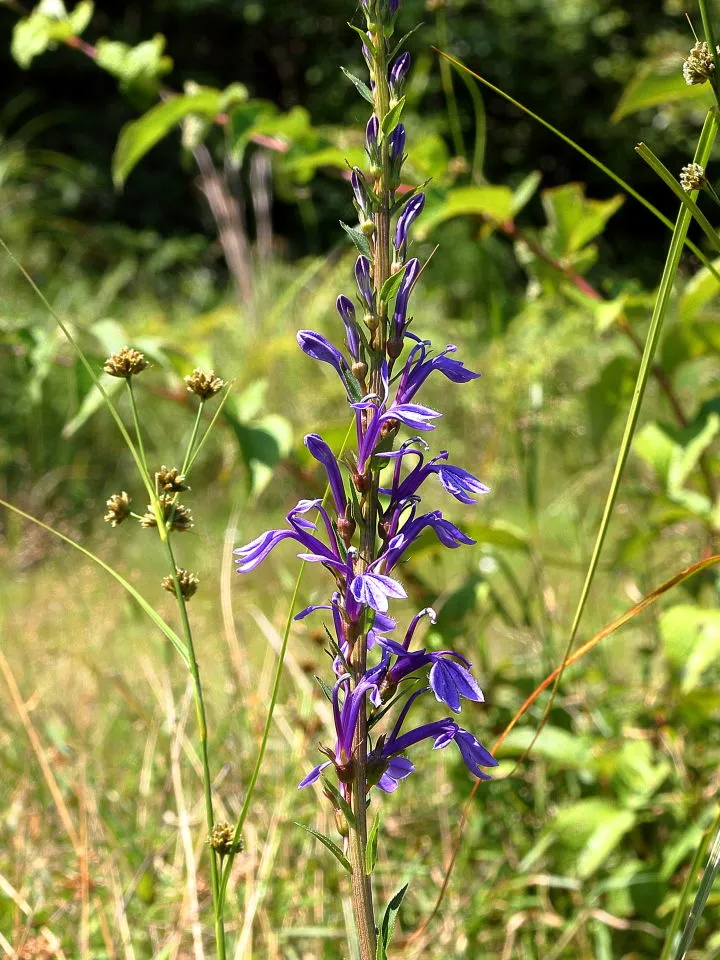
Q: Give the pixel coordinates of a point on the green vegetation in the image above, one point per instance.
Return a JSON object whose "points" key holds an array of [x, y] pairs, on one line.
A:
{"points": [[595, 844]]}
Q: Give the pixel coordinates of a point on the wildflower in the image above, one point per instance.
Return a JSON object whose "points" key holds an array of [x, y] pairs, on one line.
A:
{"points": [[177, 516], [399, 320], [126, 363], [204, 385], [692, 177], [170, 480], [323, 454], [352, 335], [118, 509], [372, 148], [398, 72], [222, 839], [397, 144], [364, 282], [188, 582], [412, 210], [699, 65]]}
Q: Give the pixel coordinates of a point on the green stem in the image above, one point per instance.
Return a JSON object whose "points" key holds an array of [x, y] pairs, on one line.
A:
{"points": [[203, 734], [193, 437], [138, 431]]}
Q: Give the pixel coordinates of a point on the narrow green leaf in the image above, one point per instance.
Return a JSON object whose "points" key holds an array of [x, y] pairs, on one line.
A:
{"points": [[652, 86], [341, 802], [389, 288], [364, 37], [327, 690], [372, 845], [403, 40], [139, 599], [358, 238], [141, 135], [391, 118], [362, 88], [387, 928], [327, 842]]}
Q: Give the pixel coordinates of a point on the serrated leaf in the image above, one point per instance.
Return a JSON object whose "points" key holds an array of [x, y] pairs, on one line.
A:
{"points": [[387, 927], [327, 842], [341, 802], [140, 136], [327, 690], [358, 238], [391, 118], [389, 288], [372, 845], [362, 88]]}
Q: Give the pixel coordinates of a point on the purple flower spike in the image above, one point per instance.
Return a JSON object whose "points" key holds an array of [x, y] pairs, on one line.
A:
{"points": [[450, 680], [324, 455], [347, 314], [398, 73], [413, 209], [397, 143], [399, 320], [372, 590], [364, 282], [397, 769]]}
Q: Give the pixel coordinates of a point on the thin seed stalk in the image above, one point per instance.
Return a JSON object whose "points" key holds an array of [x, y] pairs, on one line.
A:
{"points": [[204, 756], [362, 898]]}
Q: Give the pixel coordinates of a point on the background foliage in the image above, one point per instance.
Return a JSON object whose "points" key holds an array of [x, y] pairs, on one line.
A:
{"points": [[545, 278]]}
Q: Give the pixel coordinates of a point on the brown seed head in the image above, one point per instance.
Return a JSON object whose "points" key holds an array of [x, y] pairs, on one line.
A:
{"points": [[692, 177], [181, 517], [170, 480], [204, 385], [125, 363], [188, 583], [699, 65], [118, 509], [221, 839]]}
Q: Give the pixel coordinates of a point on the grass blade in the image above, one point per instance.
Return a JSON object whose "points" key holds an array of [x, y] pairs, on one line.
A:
{"points": [[701, 897]]}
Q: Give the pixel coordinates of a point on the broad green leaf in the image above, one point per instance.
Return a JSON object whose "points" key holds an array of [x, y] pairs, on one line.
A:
{"points": [[638, 773], [691, 641], [688, 341], [91, 403], [139, 136], [555, 744], [81, 16], [304, 164], [591, 829], [698, 291], [34, 34], [654, 85], [387, 927], [372, 845], [501, 533], [690, 453], [609, 395], [656, 447], [362, 88], [493, 203], [573, 219], [138, 68], [263, 444], [331, 846]]}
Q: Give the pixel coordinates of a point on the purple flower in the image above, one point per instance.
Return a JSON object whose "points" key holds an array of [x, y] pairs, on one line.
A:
{"points": [[411, 414], [253, 553], [446, 532], [417, 369], [399, 324], [412, 210], [398, 73], [364, 282], [324, 455], [393, 6], [347, 314], [457, 482], [372, 590], [397, 769]]}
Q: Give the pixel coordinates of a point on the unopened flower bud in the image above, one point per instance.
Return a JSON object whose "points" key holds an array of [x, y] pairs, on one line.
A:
{"points": [[699, 65], [341, 824], [367, 227], [170, 480], [118, 509], [364, 281], [359, 370], [398, 73], [125, 363], [372, 131], [692, 177], [188, 582], [204, 385]]}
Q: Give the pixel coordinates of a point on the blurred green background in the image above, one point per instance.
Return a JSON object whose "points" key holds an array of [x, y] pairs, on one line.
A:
{"points": [[212, 246]]}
